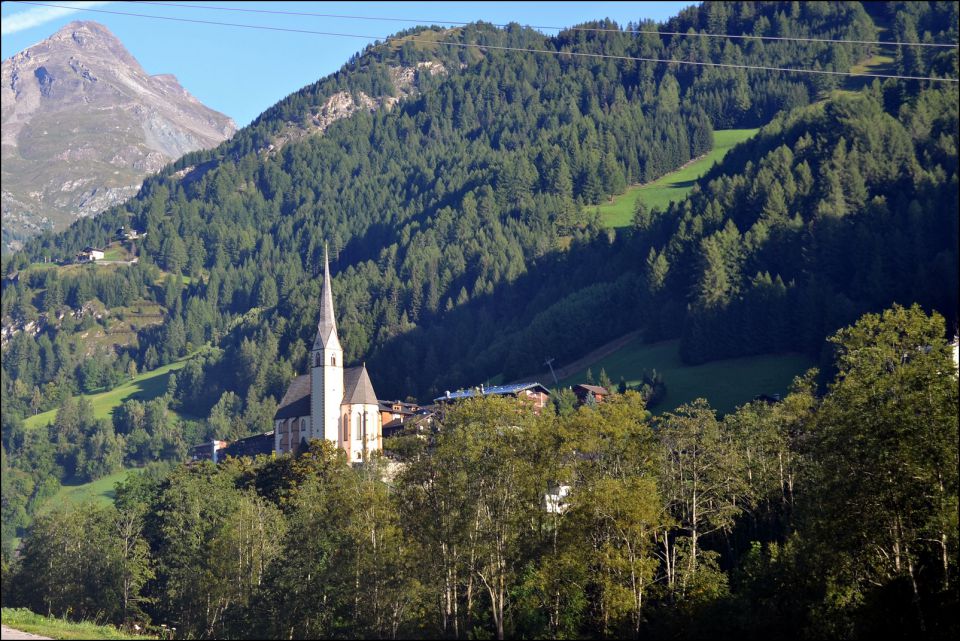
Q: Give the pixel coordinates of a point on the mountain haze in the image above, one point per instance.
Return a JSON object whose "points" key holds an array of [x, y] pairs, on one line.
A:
{"points": [[83, 124]]}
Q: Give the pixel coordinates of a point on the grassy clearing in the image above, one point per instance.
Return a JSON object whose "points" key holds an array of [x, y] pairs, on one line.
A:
{"points": [[118, 328], [39, 267], [138, 314], [99, 491], [726, 384], [424, 39], [27, 621], [115, 251], [874, 64], [675, 185], [61, 269], [144, 387]]}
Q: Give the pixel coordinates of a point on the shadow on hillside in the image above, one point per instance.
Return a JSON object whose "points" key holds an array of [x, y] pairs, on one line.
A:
{"points": [[491, 334]]}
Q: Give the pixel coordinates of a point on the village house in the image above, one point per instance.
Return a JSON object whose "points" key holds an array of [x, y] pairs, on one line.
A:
{"points": [[393, 410], [535, 393], [89, 255], [396, 415], [584, 391]]}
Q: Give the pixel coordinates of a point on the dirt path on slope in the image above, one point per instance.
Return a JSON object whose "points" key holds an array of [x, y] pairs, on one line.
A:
{"points": [[584, 362]]}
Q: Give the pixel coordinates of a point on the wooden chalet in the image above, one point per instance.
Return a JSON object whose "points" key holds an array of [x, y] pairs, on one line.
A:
{"points": [[584, 391], [398, 415]]}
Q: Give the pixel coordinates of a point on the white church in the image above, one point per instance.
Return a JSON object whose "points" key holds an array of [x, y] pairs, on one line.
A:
{"points": [[330, 402]]}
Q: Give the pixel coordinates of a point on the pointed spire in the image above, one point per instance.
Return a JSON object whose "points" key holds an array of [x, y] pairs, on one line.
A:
{"points": [[327, 326]]}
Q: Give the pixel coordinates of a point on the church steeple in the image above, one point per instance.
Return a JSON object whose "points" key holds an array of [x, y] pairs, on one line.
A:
{"points": [[326, 373], [327, 326], [343, 406]]}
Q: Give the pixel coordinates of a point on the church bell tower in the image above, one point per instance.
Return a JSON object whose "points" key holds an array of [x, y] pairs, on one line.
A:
{"points": [[326, 369]]}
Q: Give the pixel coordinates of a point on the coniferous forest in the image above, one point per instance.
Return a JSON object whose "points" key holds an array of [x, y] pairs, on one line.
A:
{"points": [[466, 244]]}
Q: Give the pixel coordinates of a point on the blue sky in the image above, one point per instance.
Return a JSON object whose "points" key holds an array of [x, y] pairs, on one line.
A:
{"points": [[241, 72]]}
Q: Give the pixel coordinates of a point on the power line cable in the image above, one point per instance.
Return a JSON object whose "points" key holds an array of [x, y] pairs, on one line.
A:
{"points": [[576, 54], [593, 29]]}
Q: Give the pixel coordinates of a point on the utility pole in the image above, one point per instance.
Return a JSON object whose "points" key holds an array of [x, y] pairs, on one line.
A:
{"points": [[549, 363]]}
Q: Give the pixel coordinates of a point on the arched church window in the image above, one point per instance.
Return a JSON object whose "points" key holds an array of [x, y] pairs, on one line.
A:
{"points": [[356, 427], [317, 362], [333, 361], [303, 425]]}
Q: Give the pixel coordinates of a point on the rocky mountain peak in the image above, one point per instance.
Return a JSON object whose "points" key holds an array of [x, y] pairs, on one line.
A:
{"points": [[89, 36], [83, 123]]}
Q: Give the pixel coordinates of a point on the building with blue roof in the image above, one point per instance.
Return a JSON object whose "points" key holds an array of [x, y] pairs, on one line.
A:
{"points": [[532, 391]]}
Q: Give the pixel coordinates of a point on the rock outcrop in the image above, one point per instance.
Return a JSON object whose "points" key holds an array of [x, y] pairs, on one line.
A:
{"points": [[344, 104]]}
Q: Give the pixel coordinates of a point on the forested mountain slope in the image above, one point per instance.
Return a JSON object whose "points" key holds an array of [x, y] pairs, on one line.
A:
{"points": [[833, 210], [460, 217]]}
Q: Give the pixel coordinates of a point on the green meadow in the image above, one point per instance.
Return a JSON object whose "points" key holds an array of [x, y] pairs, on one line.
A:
{"points": [[673, 186], [726, 383], [99, 491], [144, 387], [115, 251]]}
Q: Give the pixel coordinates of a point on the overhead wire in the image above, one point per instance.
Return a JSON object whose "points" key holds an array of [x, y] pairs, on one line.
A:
{"points": [[577, 54], [589, 29]]}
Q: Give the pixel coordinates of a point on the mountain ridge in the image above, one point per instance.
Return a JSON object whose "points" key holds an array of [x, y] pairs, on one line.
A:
{"points": [[83, 124]]}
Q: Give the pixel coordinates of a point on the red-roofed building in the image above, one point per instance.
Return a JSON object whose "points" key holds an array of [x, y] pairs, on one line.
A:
{"points": [[583, 392]]}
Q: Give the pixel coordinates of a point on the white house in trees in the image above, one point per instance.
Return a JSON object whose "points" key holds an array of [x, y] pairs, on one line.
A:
{"points": [[89, 255]]}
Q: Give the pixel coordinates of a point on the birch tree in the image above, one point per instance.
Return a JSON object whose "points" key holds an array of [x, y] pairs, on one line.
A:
{"points": [[883, 493], [703, 483]]}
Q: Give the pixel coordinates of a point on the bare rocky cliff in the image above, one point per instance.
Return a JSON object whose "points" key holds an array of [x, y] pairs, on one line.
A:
{"points": [[344, 104], [83, 124]]}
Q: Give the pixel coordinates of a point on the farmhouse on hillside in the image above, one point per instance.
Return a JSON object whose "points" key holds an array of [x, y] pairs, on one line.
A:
{"points": [[585, 391], [89, 255], [125, 233]]}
